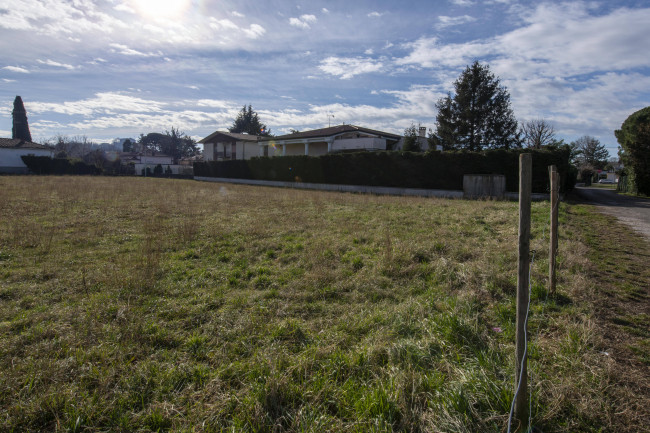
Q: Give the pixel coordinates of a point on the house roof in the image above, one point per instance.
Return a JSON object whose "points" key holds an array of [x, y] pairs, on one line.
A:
{"points": [[16, 143], [335, 130], [228, 136]]}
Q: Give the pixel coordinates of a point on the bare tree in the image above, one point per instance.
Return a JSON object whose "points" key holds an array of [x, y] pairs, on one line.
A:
{"points": [[537, 133], [75, 147]]}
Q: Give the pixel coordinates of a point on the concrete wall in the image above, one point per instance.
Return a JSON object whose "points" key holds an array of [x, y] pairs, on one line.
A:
{"points": [[10, 161], [484, 185], [379, 190], [176, 168]]}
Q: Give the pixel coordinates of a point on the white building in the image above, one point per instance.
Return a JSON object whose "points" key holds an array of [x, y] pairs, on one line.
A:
{"points": [[341, 138], [11, 149], [221, 146]]}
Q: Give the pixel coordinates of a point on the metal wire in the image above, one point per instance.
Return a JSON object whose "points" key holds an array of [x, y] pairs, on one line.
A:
{"points": [[525, 357]]}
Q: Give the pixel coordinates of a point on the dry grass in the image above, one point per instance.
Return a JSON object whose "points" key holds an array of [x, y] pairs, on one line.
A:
{"points": [[158, 305]]}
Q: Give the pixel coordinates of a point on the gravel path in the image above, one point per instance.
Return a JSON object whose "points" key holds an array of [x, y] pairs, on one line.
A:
{"points": [[633, 211]]}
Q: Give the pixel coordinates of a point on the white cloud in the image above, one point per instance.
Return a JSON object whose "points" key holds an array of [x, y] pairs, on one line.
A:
{"points": [[101, 103], [223, 24], [303, 21], [462, 2], [346, 68], [375, 14], [123, 7], [254, 31], [7, 80], [445, 21], [16, 69], [325, 11], [237, 14], [430, 53], [123, 49], [55, 64]]}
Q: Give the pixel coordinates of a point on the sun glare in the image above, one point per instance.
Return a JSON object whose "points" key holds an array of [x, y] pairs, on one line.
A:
{"points": [[160, 8]]}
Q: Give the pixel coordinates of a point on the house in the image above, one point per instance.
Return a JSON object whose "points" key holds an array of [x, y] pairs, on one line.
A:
{"points": [[11, 149], [341, 138], [142, 162], [220, 146], [421, 139]]}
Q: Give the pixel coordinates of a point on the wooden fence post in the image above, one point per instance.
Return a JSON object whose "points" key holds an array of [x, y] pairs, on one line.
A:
{"points": [[521, 380], [552, 251]]}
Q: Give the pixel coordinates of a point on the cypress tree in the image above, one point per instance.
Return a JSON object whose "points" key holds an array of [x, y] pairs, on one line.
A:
{"points": [[20, 128]]}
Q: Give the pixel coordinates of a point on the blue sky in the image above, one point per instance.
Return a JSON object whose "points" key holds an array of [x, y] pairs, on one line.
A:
{"points": [[118, 68]]}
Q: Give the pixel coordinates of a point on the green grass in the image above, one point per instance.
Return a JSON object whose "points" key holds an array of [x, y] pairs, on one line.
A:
{"points": [[133, 304]]}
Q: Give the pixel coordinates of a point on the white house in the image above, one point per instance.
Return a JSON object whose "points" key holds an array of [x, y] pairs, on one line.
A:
{"points": [[220, 146], [339, 138], [11, 149]]}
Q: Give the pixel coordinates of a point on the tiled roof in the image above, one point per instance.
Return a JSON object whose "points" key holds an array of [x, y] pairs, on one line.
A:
{"points": [[335, 130], [233, 136], [16, 143]]}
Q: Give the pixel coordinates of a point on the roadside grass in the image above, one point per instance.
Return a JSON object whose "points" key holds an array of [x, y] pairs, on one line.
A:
{"points": [[132, 304]]}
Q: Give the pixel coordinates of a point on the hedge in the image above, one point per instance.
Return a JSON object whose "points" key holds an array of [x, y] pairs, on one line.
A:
{"points": [[431, 170], [47, 165]]}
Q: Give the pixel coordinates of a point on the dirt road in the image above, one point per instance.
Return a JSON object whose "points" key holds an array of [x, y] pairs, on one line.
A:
{"points": [[632, 211]]}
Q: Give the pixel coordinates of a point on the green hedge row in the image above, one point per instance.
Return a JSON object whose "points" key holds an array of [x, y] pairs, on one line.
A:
{"points": [[431, 170], [47, 165]]}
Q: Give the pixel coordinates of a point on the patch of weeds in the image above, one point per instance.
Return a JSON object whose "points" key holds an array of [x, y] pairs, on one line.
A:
{"points": [[157, 420], [197, 346], [290, 332], [262, 282]]}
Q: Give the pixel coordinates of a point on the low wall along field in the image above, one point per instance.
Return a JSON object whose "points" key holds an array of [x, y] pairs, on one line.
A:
{"points": [[133, 304]]}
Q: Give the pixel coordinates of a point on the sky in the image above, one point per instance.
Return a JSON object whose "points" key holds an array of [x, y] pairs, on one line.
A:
{"points": [[119, 68]]}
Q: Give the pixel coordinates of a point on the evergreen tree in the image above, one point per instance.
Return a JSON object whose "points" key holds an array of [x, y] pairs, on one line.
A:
{"points": [[248, 122], [634, 138], [20, 128], [589, 152], [478, 116], [411, 143], [127, 146]]}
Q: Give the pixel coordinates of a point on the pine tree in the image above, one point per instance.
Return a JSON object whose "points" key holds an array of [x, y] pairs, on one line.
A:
{"points": [[247, 121], [478, 116], [20, 128]]}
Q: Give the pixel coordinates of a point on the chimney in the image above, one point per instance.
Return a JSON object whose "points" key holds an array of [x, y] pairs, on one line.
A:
{"points": [[422, 131]]}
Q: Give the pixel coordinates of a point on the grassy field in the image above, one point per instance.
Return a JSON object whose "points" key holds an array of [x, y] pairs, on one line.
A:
{"points": [[130, 304]]}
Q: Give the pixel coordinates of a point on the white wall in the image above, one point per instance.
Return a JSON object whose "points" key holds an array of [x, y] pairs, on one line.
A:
{"points": [[163, 160], [176, 168], [208, 152], [359, 143], [10, 161]]}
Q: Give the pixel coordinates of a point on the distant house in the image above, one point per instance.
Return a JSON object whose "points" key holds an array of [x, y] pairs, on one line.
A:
{"points": [[11, 149], [221, 146], [341, 138], [150, 160]]}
